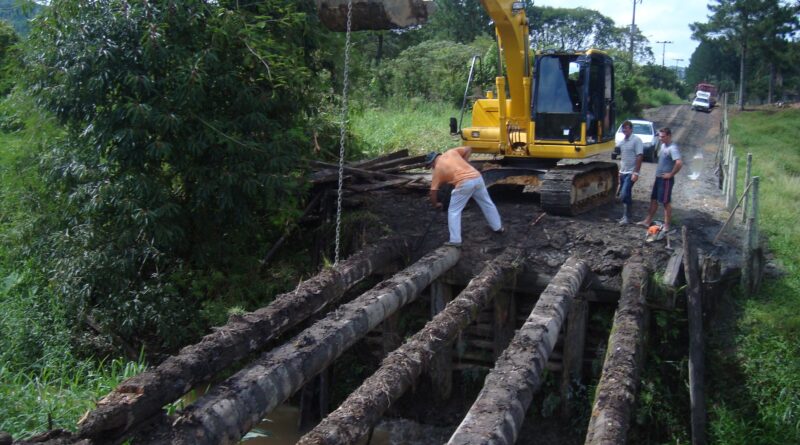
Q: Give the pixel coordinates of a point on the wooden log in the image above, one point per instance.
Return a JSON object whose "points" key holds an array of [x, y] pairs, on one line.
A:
{"points": [[373, 14], [441, 367], [367, 163], [144, 395], [616, 391], [504, 322], [497, 414], [574, 344], [360, 172], [694, 306], [230, 410], [367, 404]]}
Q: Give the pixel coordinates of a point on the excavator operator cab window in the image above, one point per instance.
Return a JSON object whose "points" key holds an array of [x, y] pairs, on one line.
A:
{"points": [[558, 99]]}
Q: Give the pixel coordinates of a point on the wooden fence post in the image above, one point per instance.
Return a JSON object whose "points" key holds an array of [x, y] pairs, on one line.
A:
{"points": [[751, 275], [731, 195], [747, 179]]}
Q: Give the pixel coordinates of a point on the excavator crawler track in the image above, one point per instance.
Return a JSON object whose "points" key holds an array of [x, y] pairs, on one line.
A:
{"points": [[573, 189]]}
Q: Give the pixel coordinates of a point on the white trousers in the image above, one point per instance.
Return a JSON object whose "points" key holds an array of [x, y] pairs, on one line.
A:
{"points": [[473, 188]]}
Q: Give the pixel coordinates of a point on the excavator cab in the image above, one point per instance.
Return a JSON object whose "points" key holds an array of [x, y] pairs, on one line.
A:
{"points": [[573, 97]]}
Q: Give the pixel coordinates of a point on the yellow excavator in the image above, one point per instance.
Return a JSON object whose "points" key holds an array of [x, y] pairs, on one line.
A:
{"points": [[547, 119]]}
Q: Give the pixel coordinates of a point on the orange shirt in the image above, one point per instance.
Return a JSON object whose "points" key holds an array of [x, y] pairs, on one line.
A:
{"points": [[452, 168]]}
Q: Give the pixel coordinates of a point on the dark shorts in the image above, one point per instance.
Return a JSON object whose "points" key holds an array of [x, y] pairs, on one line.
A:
{"points": [[662, 190]]}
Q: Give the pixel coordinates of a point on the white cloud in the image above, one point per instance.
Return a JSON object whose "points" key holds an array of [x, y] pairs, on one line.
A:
{"points": [[658, 20]]}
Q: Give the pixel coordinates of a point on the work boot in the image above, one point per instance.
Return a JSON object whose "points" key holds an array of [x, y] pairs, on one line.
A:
{"points": [[500, 231], [624, 221]]}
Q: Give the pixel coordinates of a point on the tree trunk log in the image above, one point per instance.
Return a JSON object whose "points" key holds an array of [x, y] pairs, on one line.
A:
{"points": [[142, 396], [497, 414], [616, 391], [230, 410], [694, 308], [364, 407]]}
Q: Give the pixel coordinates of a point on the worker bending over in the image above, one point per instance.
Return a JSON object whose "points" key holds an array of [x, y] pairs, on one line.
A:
{"points": [[453, 167]]}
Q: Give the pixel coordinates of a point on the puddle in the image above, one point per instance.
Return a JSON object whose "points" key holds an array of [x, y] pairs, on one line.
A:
{"points": [[695, 167], [280, 428]]}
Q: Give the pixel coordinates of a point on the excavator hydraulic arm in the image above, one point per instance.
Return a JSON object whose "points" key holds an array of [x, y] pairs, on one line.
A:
{"points": [[374, 14]]}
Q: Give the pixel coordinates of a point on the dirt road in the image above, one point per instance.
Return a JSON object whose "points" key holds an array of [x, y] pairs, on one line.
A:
{"points": [[697, 203]]}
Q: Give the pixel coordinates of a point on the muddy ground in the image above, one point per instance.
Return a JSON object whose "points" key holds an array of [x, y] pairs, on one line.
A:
{"points": [[595, 236]]}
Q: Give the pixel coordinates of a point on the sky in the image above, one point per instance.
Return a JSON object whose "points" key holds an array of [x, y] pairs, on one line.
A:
{"points": [[664, 20]]}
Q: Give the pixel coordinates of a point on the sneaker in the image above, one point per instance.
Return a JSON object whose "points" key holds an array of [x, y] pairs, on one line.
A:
{"points": [[500, 231], [452, 244], [624, 221]]}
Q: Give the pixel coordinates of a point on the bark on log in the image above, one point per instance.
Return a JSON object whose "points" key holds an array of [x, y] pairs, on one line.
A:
{"points": [[139, 397], [364, 407], [616, 391], [697, 367], [374, 14], [497, 414], [230, 410]]}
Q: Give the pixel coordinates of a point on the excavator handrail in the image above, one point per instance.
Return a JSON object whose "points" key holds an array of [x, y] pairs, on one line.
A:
{"points": [[466, 90]]}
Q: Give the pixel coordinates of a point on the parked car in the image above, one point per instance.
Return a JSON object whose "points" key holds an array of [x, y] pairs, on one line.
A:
{"points": [[701, 104], [646, 131]]}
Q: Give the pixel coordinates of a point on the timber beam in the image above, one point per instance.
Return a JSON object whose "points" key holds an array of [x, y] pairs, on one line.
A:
{"points": [[365, 406], [497, 414], [227, 412], [140, 397], [618, 386]]}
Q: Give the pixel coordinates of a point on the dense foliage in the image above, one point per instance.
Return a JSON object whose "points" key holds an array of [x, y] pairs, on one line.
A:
{"points": [[185, 125], [761, 34], [18, 13]]}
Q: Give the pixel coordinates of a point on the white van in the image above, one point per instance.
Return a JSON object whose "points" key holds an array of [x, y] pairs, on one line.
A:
{"points": [[701, 104]]}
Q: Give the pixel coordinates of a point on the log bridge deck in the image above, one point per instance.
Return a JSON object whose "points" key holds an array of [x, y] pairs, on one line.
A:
{"points": [[517, 355]]}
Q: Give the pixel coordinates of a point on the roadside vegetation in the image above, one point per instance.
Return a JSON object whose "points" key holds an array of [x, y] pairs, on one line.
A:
{"points": [[756, 397]]}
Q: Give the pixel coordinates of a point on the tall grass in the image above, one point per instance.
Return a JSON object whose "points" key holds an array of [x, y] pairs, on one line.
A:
{"points": [[761, 403], [57, 395], [403, 123]]}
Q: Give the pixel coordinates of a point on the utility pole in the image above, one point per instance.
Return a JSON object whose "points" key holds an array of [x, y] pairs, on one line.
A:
{"points": [[633, 27], [676, 67], [663, 49]]}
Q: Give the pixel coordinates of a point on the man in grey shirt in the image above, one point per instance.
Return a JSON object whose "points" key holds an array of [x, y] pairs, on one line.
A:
{"points": [[669, 164], [631, 152]]}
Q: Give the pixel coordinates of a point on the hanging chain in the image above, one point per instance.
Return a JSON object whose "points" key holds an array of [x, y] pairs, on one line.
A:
{"points": [[343, 130]]}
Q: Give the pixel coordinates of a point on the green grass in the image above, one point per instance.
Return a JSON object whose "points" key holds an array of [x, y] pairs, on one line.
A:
{"points": [[761, 403], [57, 395], [651, 98], [411, 124]]}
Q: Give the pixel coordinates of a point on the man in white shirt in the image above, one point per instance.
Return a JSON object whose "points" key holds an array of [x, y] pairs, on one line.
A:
{"points": [[631, 152]]}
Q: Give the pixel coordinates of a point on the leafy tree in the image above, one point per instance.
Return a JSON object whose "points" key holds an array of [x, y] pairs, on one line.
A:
{"points": [[714, 61], [744, 23], [185, 127], [460, 21], [569, 28], [19, 13], [9, 55], [664, 78], [444, 77]]}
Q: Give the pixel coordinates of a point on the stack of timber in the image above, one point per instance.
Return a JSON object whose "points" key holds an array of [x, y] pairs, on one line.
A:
{"points": [[391, 170]]}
